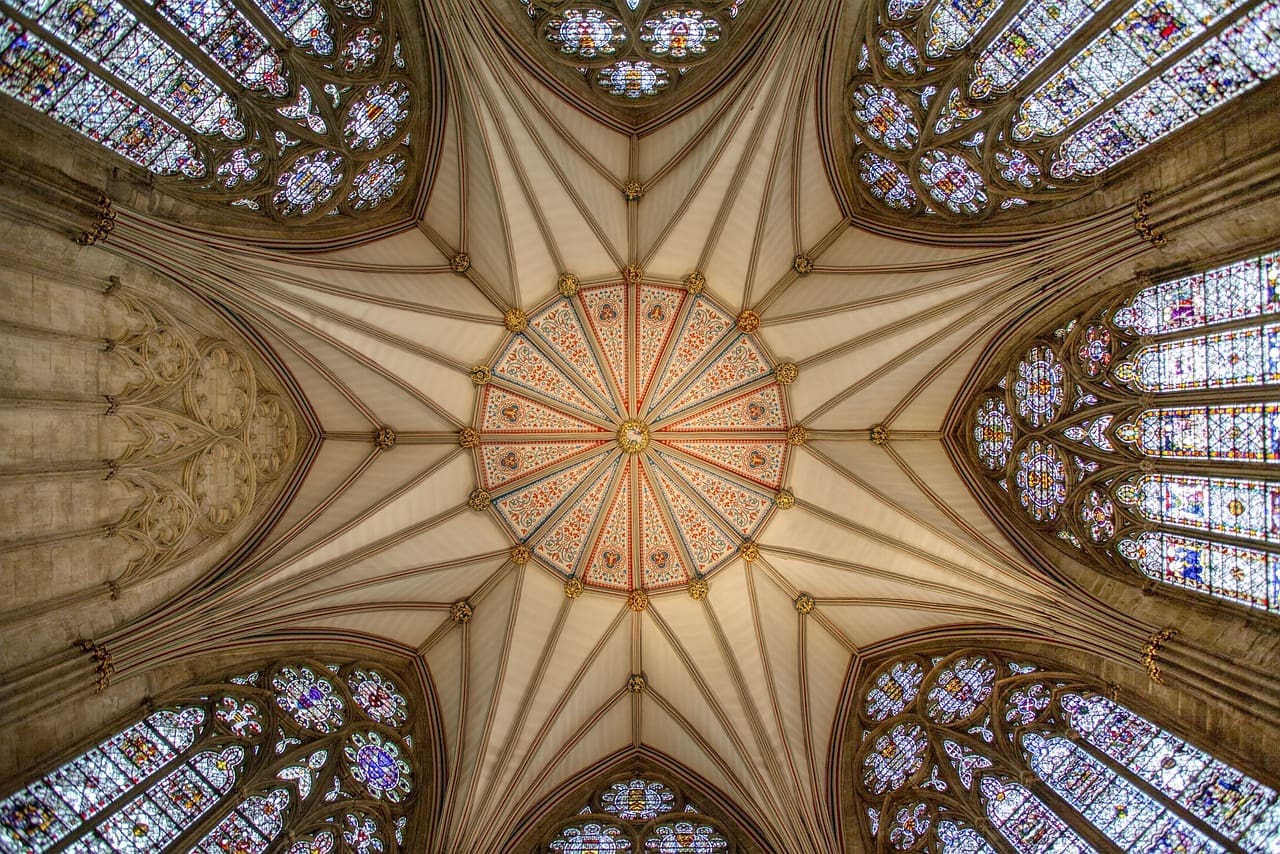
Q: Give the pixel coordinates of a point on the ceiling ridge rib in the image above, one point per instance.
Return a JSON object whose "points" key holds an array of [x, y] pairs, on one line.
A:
{"points": [[1007, 561], [762, 648], [525, 704], [537, 397], [722, 473], [758, 729], [981, 312], [242, 611], [608, 457], [793, 592], [522, 178], [747, 797], [693, 373], [806, 725], [507, 487], [715, 400], [667, 519], [709, 697], [495, 699], [368, 298], [814, 253], [585, 385], [598, 522], [400, 575], [584, 210], [593, 657], [479, 282], [664, 355], [351, 525]]}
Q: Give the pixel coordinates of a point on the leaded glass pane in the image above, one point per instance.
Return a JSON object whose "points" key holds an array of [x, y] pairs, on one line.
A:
{"points": [[1236, 805], [591, 837], [1024, 820], [1248, 576], [202, 771], [294, 138], [638, 799], [1038, 99]]}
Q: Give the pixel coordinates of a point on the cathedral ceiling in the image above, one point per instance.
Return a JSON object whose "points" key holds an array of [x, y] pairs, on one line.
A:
{"points": [[511, 453]]}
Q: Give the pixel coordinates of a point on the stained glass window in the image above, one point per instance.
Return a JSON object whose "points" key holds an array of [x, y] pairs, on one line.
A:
{"points": [[968, 108], [229, 767], [247, 102], [1035, 760], [1140, 432], [633, 50], [639, 814]]}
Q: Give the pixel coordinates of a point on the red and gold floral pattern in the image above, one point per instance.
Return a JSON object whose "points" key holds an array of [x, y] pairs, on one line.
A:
{"points": [[652, 360]]}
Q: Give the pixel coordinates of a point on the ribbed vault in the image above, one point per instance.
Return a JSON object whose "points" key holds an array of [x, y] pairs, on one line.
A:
{"points": [[381, 543]]}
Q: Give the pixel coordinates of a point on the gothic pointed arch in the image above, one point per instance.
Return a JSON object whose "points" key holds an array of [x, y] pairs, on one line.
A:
{"points": [[1138, 433], [958, 748], [248, 117], [634, 62], [992, 115], [297, 754], [636, 802]]}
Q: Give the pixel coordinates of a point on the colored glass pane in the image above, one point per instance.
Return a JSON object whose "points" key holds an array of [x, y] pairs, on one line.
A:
{"points": [[309, 698], [679, 33], [894, 689], [910, 824], [310, 182], [634, 79], [378, 697], [899, 54], [685, 837], [638, 799], [590, 837], [42, 77], [1038, 388], [952, 25], [1244, 432], [1041, 480], [1247, 576], [1233, 359], [361, 50], [1111, 803], [1240, 508], [961, 840], [959, 688], [1097, 513], [965, 760], [376, 117], [1141, 37], [228, 38], [305, 22], [1234, 804], [884, 117], [898, 753], [1240, 290], [886, 181], [953, 182], [363, 834], [155, 818], [49, 809], [1025, 42], [1218, 71], [1024, 820], [250, 828], [993, 433], [377, 762], [585, 33]]}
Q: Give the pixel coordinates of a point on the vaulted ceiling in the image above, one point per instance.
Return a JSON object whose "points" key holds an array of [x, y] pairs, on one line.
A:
{"points": [[745, 685]]}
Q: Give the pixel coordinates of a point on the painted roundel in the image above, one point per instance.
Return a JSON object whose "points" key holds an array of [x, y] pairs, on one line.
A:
{"points": [[632, 436]]}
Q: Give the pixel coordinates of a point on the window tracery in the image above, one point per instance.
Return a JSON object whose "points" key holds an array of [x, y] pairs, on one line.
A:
{"points": [[1144, 432], [284, 108], [981, 752], [632, 50], [638, 814], [965, 109], [325, 751]]}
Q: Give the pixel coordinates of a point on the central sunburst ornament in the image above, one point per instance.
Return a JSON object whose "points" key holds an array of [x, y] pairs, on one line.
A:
{"points": [[632, 435]]}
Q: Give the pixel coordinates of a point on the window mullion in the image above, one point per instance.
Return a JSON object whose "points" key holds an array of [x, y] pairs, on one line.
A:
{"points": [[97, 70], [1158, 796], [1152, 71], [1059, 806], [138, 789]]}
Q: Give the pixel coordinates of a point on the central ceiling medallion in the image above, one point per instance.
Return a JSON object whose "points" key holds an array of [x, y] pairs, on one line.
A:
{"points": [[632, 436]]}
